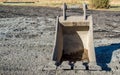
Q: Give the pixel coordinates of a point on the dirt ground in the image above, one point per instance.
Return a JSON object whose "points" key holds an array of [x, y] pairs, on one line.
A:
{"points": [[27, 39]]}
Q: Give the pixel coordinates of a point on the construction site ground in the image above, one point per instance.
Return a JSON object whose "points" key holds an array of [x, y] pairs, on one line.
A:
{"points": [[27, 36]]}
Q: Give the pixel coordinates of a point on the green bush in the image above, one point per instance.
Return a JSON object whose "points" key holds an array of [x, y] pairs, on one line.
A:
{"points": [[100, 3]]}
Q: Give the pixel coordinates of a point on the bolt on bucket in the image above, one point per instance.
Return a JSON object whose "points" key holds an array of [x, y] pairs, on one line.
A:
{"points": [[74, 38]]}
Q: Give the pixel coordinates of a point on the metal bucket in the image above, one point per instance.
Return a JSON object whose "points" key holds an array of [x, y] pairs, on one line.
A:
{"points": [[74, 38]]}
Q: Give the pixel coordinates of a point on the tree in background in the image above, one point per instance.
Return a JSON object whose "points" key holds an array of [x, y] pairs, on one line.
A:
{"points": [[99, 3]]}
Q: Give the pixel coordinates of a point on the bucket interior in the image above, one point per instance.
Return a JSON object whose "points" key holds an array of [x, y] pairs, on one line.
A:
{"points": [[74, 43], [72, 40]]}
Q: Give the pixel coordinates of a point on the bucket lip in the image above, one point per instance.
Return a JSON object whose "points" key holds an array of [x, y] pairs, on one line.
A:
{"points": [[75, 19]]}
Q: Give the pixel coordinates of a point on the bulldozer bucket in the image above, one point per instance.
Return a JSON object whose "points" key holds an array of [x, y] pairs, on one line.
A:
{"points": [[74, 38]]}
